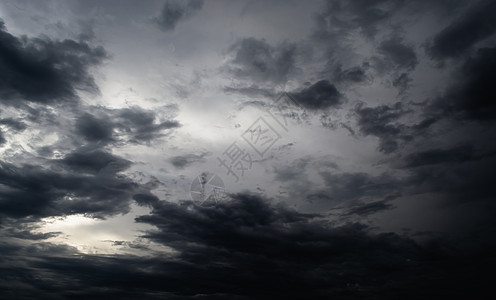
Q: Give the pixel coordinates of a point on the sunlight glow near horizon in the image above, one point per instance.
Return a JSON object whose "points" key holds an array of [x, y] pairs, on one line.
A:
{"points": [[97, 236]]}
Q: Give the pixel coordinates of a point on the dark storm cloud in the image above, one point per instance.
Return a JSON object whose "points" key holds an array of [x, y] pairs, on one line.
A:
{"points": [[247, 248], [437, 156], [321, 95], [379, 121], [341, 22], [134, 124], [472, 95], [270, 242], [84, 182], [182, 161], [173, 12], [398, 54], [93, 129], [342, 187], [28, 234], [256, 60], [396, 60], [45, 71], [145, 199], [384, 122], [369, 17], [456, 178], [459, 174], [88, 179], [472, 27]]}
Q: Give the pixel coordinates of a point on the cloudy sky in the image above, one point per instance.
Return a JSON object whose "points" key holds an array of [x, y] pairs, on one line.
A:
{"points": [[247, 149]]}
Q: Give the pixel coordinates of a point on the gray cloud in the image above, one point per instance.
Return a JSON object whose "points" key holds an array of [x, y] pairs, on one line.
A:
{"points": [[173, 12], [398, 54], [378, 121], [456, 182], [182, 161], [436, 156], [93, 129], [370, 208], [94, 161], [134, 125], [89, 183], [256, 60]]}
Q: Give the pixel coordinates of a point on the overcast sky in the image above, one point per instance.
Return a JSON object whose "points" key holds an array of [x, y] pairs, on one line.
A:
{"points": [[247, 149]]}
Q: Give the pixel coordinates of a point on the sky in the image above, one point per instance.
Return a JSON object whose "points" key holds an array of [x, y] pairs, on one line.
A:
{"points": [[215, 149]]}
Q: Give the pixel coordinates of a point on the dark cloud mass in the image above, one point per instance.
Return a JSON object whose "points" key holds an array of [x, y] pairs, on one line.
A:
{"points": [[436, 156], [175, 11], [320, 95], [470, 28], [248, 249], [43, 70], [182, 161], [30, 190], [379, 122], [365, 16]]}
